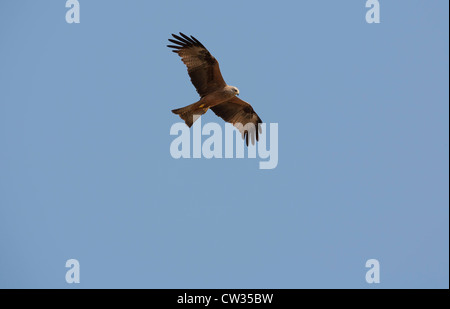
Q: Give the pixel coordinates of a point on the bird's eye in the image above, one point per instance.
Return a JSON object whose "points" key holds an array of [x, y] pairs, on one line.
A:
{"points": [[235, 90]]}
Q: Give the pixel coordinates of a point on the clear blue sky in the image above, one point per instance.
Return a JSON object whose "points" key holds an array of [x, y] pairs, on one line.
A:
{"points": [[86, 172]]}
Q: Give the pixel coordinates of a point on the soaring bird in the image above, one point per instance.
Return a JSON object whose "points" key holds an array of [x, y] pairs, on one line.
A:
{"points": [[203, 69]]}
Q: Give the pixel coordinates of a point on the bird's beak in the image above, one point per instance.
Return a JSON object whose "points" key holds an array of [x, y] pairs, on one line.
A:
{"points": [[237, 94]]}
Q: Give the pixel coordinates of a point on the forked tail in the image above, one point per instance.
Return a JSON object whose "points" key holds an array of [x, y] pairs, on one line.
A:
{"points": [[190, 113]]}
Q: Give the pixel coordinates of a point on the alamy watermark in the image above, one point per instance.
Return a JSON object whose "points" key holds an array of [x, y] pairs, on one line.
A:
{"points": [[73, 274], [373, 274], [227, 143], [373, 14], [73, 14]]}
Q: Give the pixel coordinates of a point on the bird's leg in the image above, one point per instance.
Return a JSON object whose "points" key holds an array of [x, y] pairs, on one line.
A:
{"points": [[205, 109]]}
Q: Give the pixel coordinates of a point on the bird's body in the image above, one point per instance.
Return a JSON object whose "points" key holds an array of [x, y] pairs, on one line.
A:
{"points": [[220, 96], [208, 101], [214, 93]]}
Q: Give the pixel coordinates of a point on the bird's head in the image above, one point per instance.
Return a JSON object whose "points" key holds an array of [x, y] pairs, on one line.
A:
{"points": [[235, 90]]}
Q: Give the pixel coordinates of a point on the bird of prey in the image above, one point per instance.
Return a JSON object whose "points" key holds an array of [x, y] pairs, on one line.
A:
{"points": [[205, 75]]}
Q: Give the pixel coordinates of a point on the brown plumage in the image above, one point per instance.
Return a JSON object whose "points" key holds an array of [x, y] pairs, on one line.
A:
{"points": [[205, 75]]}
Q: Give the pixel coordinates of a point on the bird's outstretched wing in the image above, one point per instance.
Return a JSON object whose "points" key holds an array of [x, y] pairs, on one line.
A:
{"points": [[242, 116], [202, 67]]}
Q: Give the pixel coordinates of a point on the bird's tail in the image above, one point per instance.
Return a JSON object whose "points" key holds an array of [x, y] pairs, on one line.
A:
{"points": [[190, 113]]}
